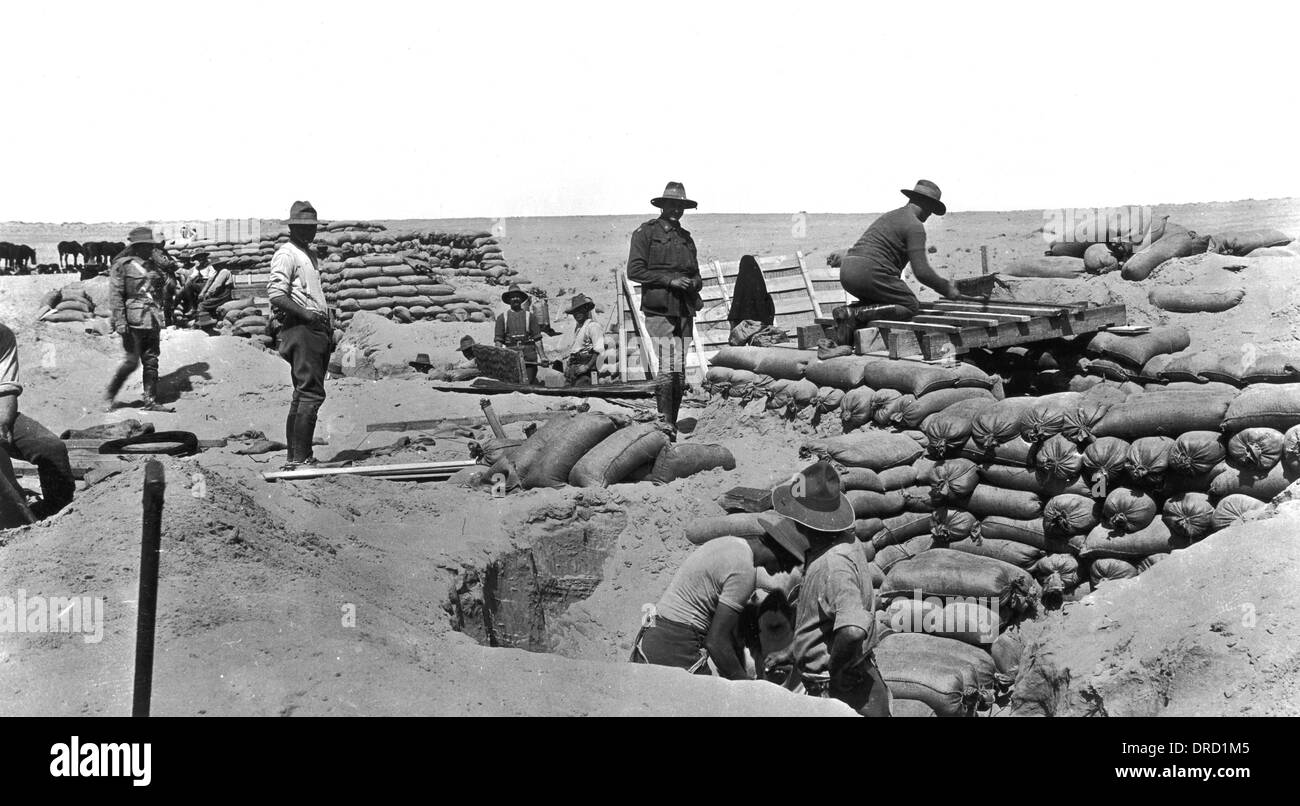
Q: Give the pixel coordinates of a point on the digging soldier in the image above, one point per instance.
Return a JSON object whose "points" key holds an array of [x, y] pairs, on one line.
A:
{"points": [[137, 288], [302, 320], [663, 260]]}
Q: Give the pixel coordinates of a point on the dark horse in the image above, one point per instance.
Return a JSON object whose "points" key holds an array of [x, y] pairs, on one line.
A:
{"points": [[15, 257], [70, 249]]}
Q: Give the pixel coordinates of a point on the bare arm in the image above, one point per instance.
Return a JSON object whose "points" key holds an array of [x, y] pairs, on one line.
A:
{"points": [[8, 413], [846, 649], [721, 646]]}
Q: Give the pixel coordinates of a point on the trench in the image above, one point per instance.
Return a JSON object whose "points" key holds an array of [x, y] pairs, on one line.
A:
{"points": [[518, 595]]}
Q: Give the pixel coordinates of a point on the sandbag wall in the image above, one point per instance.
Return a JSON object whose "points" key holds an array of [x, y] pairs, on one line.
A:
{"points": [[76, 302], [595, 450]]}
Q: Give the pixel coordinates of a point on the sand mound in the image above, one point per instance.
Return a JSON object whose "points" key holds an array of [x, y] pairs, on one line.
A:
{"points": [[1213, 630]]}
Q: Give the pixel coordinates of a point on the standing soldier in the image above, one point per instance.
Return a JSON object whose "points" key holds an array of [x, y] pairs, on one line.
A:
{"points": [[136, 290], [518, 329], [662, 259], [302, 318]]}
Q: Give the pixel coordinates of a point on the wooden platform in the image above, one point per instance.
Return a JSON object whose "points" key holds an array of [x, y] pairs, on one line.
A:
{"points": [[950, 328]]}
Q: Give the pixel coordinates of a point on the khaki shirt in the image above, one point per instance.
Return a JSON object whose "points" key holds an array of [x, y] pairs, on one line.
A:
{"points": [[836, 592], [136, 290]]}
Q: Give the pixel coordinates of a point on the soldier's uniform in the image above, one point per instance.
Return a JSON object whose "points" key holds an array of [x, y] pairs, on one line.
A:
{"points": [[662, 251], [137, 288]]}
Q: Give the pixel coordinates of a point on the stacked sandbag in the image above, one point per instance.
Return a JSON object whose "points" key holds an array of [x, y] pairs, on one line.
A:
{"points": [[1175, 242], [71, 303], [401, 288], [1127, 356], [776, 362], [951, 677]]}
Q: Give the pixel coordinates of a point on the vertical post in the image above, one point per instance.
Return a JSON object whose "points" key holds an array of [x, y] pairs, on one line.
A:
{"points": [[622, 330], [494, 422], [146, 617], [984, 260]]}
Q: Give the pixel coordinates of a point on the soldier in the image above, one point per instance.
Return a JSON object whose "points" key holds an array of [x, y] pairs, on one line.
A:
{"points": [[136, 289], [662, 259], [518, 329]]}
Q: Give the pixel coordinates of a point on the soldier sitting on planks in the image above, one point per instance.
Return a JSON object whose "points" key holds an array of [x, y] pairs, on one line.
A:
{"points": [[698, 617], [834, 633], [588, 343], [871, 270], [22, 437], [518, 329]]}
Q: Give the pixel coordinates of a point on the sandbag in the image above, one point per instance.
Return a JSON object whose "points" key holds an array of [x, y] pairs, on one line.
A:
{"points": [[1057, 573], [1081, 420], [876, 505], [1189, 366], [917, 409], [1235, 509], [551, 468], [779, 395], [718, 380], [986, 501], [865, 530], [1006, 652], [1189, 516], [845, 372], [738, 524], [1196, 452], [1270, 368], [1265, 487], [1029, 532], [953, 525], [1132, 546], [1242, 242], [1189, 299], [917, 499], [875, 450], [899, 478], [1257, 449], [65, 316], [1000, 422], [1176, 484], [802, 393], [1136, 351], [1015, 452], [686, 459], [919, 379], [1098, 259], [1068, 515], [1128, 510], [1063, 268], [860, 478], [1172, 245], [1015, 553], [927, 673], [73, 305], [1108, 568], [948, 573], [616, 456], [856, 407], [1068, 248], [1148, 460], [828, 399], [889, 555], [1022, 478], [1291, 446], [1264, 405], [891, 412], [779, 362], [1058, 460], [742, 383], [1106, 458], [901, 528], [953, 480], [1169, 414], [946, 431]]}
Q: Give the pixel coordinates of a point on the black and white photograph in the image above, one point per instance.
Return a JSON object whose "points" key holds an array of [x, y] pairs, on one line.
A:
{"points": [[579, 359]]}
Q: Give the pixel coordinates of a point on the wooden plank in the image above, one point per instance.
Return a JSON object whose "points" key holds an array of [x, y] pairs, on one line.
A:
{"points": [[648, 356], [887, 324], [453, 422], [1000, 317], [722, 283], [1027, 310], [365, 470], [956, 321], [1008, 334], [622, 331], [808, 283]]}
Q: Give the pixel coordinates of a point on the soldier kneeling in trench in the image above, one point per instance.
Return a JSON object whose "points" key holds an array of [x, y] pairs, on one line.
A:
{"points": [[697, 618]]}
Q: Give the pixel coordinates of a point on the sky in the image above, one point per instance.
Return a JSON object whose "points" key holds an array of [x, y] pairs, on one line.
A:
{"points": [[140, 110]]}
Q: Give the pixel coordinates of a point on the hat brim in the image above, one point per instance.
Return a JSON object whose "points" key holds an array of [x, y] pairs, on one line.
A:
{"points": [[836, 520], [586, 306], [299, 223], [785, 535], [509, 295], [685, 203], [937, 207]]}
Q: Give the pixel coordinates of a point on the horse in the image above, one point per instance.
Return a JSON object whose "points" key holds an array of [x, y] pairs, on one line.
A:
{"points": [[26, 255], [70, 249]]}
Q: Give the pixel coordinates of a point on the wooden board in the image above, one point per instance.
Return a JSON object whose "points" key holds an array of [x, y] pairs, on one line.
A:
{"points": [[412, 468], [489, 386], [933, 341], [500, 363]]}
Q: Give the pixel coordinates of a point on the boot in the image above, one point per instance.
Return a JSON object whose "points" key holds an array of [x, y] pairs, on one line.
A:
{"points": [[151, 392], [664, 399], [304, 428], [679, 390], [291, 455]]}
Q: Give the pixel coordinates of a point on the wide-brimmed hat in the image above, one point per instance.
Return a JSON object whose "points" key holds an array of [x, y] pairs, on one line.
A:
{"points": [[926, 194], [301, 213], [466, 342], [421, 362], [820, 503], [514, 291], [786, 535], [141, 235], [580, 301], [674, 192]]}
